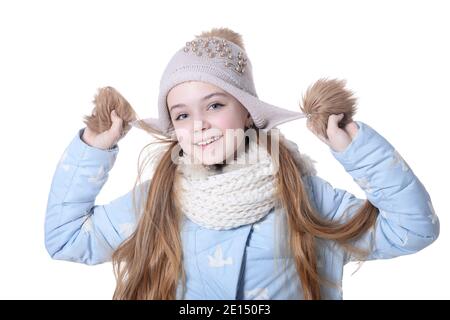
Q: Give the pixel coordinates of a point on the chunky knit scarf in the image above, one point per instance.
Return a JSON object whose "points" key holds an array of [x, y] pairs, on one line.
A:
{"points": [[239, 193]]}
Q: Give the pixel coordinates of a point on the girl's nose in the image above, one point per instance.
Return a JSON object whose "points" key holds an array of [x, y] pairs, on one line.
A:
{"points": [[201, 125]]}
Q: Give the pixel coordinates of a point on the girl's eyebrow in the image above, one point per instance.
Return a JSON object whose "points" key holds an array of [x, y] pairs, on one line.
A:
{"points": [[202, 99]]}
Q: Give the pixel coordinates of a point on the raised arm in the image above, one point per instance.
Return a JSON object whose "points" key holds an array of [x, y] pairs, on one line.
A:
{"points": [[406, 222], [76, 229]]}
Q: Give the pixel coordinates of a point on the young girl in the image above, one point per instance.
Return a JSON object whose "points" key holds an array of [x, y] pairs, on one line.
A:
{"points": [[211, 223]]}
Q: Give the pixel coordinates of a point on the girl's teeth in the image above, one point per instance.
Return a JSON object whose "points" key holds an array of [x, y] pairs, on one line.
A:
{"points": [[209, 141]]}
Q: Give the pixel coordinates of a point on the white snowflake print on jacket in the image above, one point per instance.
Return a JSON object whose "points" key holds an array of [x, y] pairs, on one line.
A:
{"points": [[217, 260], [65, 167], [98, 177], [433, 215], [257, 294], [397, 159], [364, 184], [405, 240]]}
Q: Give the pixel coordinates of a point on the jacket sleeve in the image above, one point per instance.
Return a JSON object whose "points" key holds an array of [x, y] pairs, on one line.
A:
{"points": [[406, 222], [76, 229]]}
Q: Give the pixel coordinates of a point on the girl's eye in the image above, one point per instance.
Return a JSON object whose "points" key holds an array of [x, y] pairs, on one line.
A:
{"points": [[216, 104], [178, 118], [219, 105]]}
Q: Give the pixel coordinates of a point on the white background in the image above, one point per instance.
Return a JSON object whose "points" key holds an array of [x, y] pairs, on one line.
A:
{"points": [[55, 54]]}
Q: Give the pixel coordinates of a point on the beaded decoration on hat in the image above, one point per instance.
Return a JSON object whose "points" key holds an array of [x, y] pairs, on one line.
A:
{"points": [[214, 47]]}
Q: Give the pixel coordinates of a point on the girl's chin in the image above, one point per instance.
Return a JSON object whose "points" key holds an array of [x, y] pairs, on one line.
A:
{"points": [[210, 157]]}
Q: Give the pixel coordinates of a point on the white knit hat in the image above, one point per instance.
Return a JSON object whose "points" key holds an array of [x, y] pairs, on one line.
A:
{"points": [[224, 64]]}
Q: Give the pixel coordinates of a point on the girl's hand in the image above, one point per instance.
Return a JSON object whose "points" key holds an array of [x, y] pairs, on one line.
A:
{"points": [[107, 139], [338, 138]]}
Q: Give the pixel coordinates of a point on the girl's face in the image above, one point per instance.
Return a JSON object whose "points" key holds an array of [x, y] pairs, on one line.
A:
{"points": [[200, 111]]}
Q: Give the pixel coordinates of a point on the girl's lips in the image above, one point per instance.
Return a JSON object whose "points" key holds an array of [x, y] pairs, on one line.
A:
{"points": [[207, 145]]}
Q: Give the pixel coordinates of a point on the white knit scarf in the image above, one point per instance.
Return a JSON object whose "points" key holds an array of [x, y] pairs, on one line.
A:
{"points": [[242, 192]]}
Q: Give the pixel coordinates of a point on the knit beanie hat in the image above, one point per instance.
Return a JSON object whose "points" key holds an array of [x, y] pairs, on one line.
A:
{"points": [[211, 57]]}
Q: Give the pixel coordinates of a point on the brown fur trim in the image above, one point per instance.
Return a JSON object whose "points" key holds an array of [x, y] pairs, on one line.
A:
{"points": [[326, 97], [106, 100], [225, 33]]}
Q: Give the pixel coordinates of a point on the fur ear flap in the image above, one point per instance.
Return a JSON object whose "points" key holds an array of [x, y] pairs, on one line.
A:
{"points": [[106, 100], [326, 97], [225, 33]]}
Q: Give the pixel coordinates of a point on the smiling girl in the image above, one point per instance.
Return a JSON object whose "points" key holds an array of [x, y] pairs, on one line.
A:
{"points": [[233, 209]]}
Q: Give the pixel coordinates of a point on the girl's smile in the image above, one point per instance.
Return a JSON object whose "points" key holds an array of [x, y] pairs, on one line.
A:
{"points": [[204, 144]]}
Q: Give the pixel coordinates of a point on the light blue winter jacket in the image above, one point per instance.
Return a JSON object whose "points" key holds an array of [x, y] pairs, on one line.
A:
{"points": [[252, 261]]}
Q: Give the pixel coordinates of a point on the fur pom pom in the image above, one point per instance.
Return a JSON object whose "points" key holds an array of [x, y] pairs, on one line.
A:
{"points": [[326, 97], [225, 33], [106, 100]]}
